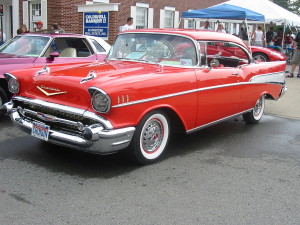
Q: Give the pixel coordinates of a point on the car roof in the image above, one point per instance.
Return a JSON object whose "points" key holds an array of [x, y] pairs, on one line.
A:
{"points": [[195, 34], [54, 35]]}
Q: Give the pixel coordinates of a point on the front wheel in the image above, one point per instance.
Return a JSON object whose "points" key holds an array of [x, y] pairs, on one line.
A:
{"points": [[257, 112], [150, 138]]}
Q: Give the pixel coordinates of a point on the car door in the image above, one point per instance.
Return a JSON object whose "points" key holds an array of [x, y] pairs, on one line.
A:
{"points": [[218, 81], [69, 49]]}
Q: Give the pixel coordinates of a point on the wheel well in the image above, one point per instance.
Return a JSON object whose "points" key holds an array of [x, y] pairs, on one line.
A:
{"points": [[175, 121], [4, 86], [269, 97]]}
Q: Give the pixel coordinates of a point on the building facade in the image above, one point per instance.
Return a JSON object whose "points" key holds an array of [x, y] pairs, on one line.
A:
{"points": [[99, 17]]}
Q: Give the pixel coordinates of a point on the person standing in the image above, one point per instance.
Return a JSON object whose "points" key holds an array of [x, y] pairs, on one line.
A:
{"points": [[296, 57], [128, 25], [270, 35], [258, 37], [206, 26], [39, 26], [2, 37], [221, 28], [243, 35]]}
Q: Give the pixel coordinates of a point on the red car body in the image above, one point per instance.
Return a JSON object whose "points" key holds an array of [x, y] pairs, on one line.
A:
{"points": [[145, 88]]}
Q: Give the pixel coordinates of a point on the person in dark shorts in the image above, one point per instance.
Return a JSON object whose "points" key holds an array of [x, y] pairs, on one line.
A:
{"points": [[296, 57]]}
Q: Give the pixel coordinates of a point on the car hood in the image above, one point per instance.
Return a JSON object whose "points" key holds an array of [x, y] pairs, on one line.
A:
{"points": [[10, 62], [63, 85]]}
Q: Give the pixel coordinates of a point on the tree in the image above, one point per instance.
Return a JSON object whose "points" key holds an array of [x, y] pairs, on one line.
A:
{"points": [[291, 5]]}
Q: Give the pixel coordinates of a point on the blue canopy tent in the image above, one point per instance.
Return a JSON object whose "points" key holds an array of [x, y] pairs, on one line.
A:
{"points": [[224, 11], [227, 12]]}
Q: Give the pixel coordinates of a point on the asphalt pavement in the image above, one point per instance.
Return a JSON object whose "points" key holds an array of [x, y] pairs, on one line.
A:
{"points": [[289, 105]]}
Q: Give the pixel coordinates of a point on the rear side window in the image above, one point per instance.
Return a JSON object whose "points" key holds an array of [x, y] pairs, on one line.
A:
{"points": [[228, 54], [97, 46], [79, 44]]}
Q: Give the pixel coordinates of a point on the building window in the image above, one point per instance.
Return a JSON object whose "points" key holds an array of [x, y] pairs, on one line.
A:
{"points": [[169, 19], [36, 14], [191, 24], [36, 11], [141, 18]]}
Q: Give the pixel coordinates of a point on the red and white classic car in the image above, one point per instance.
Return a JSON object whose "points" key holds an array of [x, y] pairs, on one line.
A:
{"points": [[152, 82]]}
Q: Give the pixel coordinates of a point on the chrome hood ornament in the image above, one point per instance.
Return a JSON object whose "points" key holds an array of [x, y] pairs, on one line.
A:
{"points": [[57, 91], [45, 69], [91, 75]]}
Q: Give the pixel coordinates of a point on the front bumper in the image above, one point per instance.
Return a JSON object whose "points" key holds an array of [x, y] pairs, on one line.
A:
{"points": [[101, 141]]}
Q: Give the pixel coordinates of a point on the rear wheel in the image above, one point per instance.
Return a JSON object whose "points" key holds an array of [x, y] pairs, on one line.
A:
{"points": [[257, 112], [150, 138], [259, 56]]}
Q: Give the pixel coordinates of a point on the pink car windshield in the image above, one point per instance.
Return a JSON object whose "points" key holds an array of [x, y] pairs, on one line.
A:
{"points": [[25, 45]]}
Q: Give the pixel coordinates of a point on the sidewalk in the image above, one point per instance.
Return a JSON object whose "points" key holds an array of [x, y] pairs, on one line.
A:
{"points": [[289, 104]]}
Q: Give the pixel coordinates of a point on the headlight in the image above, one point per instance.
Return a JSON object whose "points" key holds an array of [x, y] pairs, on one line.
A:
{"points": [[100, 100], [13, 83]]}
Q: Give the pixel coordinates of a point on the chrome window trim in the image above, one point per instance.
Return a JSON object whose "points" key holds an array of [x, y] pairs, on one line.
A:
{"points": [[67, 109], [196, 90], [250, 59]]}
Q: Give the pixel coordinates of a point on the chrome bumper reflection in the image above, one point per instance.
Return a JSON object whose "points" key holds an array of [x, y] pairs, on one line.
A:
{"points": [[103, 141], [282, 92]]}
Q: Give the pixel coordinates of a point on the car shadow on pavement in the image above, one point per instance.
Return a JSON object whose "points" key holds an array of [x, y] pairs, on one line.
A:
{"points": [[230, 135]]}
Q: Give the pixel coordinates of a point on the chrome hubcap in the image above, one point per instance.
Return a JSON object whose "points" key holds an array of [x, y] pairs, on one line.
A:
{"points": [[260, 58], [152, 136], [258, 107]]}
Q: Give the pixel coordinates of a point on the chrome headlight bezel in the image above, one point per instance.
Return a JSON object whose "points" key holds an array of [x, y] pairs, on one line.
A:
{"points": [[100, 100], [13, 83]]}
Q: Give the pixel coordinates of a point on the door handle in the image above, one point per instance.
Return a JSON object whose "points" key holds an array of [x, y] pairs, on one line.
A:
{"points": [[235, 74]]}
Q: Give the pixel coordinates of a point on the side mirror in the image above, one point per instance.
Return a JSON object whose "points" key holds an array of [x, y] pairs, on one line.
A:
{"points": [[53, 55]]}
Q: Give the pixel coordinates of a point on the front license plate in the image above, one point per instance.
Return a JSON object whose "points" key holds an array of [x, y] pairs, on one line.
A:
{"points": [[40, 130]]}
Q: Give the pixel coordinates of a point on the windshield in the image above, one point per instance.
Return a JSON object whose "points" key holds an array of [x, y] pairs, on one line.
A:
{"points": [[25, 45], [155, 48]]}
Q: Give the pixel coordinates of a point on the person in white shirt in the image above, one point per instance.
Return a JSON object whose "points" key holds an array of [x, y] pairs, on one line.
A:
{"points": [[128, 25], [206, 26], [221, 28], [258, 37]]}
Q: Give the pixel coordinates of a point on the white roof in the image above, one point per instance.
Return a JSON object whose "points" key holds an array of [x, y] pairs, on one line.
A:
{"points": [[272, 12]]}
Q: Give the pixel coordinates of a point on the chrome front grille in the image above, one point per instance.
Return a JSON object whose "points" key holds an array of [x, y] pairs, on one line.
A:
{"points": [[62, 119]]}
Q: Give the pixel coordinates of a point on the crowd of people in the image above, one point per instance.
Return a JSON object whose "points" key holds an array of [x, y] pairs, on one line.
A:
{"points": [[39, 28]]}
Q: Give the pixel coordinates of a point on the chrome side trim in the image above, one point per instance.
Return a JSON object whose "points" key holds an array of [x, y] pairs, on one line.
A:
{"points": [[277, 77], [259, 79], [66, 109], [215, 122]]}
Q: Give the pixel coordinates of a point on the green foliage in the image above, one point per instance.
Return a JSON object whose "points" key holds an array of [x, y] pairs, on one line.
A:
{"points": [[291, 5]]}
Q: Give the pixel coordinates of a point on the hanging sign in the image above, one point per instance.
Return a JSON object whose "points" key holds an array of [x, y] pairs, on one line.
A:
{"points": [[96, 24]]}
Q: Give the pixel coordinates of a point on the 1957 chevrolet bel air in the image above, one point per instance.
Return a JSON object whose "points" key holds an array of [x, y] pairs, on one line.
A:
{"points": [[152, 82]]}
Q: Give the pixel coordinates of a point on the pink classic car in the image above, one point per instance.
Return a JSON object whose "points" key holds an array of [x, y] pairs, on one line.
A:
{"points": [[27, 50], [152, 83]]}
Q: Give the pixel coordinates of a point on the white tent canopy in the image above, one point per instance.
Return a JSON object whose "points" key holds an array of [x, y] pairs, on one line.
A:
{"points": [[272, 12]]}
